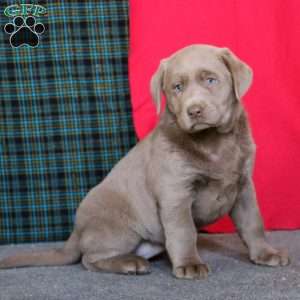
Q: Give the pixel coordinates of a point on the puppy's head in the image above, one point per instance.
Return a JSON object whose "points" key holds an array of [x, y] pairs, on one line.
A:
{"points": [[201, 84]]}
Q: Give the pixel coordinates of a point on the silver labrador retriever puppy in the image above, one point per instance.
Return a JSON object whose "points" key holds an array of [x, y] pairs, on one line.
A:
{"points": [[195, 167]]}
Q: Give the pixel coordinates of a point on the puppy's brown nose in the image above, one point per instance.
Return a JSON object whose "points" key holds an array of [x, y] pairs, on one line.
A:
{"points": [[194, 111]]}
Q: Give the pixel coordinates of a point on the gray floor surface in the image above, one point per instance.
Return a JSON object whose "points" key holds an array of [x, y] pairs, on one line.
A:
{"points": [[232, 276]]}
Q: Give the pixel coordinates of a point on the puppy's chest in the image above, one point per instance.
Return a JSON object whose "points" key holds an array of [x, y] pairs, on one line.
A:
{"points": [[213, 200], [215, 184], [222, 163]]}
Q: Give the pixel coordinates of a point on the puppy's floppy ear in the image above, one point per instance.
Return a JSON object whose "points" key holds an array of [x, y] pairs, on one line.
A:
{"points": [[156, 84], [241, 73]]}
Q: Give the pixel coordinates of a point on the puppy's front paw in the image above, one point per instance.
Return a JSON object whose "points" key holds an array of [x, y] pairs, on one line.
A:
{"points": [[272, 258], [195, 271]]}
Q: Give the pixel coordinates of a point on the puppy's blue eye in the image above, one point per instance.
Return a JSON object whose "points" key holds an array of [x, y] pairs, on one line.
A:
{"points": [[178, 87], [211, 81]]}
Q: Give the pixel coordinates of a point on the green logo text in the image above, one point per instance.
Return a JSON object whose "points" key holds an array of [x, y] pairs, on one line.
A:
{"points": [[25, 10]]}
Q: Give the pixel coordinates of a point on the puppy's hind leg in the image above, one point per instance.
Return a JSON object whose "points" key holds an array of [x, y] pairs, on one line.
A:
{"points": [[111, 249], [123, 264]]}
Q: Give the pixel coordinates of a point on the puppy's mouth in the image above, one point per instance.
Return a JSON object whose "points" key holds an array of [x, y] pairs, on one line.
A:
{"points": [[192, 126], [197, 126]]}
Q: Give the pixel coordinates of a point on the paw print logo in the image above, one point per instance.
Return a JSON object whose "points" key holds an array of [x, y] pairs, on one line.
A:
{"points": [[24, 31]]}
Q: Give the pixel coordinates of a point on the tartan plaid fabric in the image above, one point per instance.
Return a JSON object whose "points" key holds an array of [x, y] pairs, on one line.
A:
{"points": [[65, 116]]}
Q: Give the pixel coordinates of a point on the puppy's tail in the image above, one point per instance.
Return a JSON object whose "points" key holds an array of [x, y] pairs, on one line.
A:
{"points": [[68, 254]]}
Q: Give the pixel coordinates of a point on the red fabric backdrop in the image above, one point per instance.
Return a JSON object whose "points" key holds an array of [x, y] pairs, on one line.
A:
{"points": [[266, 34]]}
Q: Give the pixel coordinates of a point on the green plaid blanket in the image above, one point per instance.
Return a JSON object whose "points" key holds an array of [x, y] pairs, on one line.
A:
{"points": [[65, 116]]}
